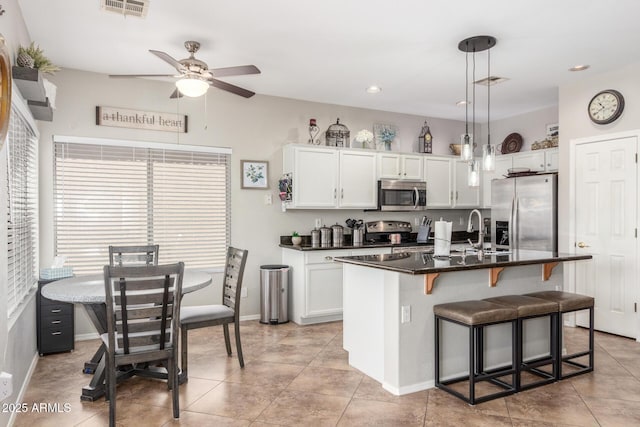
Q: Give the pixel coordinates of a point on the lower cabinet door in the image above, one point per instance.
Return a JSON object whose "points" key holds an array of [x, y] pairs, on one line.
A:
{"points": [[323, 289]]}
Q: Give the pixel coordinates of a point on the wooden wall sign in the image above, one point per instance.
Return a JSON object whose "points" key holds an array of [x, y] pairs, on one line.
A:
{"points": [[135, 119]]}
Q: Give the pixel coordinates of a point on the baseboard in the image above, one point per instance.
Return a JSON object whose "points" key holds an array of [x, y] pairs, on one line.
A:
{"points": [[407, 389], [24, 386], [250, 317], [86, 337]]}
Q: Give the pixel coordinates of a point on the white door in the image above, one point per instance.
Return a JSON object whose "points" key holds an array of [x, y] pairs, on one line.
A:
{"points": [[605, 219]]}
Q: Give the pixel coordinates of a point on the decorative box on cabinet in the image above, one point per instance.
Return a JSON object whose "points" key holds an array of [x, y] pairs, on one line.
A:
{"points": [[31, 85], [55, 324]]}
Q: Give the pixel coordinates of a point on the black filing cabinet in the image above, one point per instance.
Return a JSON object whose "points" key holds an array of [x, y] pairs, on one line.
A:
{"points": [[55, 323]]}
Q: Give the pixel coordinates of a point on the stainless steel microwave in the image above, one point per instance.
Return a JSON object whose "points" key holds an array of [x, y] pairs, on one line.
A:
{"points": [[402, 195]]}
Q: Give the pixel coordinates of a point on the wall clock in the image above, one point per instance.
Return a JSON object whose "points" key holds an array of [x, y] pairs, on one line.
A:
{"points": [[5, 90], [606, 106]]}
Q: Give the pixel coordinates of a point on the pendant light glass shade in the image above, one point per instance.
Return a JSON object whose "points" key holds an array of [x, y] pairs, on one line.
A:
{"points": [[466, 147], [473, 174], [192, 86], [489, 157]]}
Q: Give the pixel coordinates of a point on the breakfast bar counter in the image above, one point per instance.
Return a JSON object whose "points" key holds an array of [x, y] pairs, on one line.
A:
{"points": [[388, 301]]}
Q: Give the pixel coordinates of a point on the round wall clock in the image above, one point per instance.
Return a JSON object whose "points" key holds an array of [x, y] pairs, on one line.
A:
{"points": [[606, 106], [5, 89]]}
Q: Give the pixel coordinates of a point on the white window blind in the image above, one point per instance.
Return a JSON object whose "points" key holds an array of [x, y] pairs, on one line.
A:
{"points": [[22, 215], [131, 195]]}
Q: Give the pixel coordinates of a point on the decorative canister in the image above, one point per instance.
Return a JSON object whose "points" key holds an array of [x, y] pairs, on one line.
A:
{"points": [[325, 236], [315, 238], [338, 235], [337, 135]]}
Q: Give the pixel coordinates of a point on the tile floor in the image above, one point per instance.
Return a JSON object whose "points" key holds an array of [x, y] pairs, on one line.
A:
{"points": [[300, 376]]}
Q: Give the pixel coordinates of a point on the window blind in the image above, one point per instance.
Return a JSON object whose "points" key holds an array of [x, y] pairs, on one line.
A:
{"points": [[133, 195], [22, 215]]}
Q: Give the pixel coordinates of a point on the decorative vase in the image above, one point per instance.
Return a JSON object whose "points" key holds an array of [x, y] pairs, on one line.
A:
{"points": [[387, 145], [296, 240]]}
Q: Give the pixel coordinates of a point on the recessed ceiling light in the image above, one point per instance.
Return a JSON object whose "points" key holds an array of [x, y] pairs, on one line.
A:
{"points": [[463, 103], [579, 67], [374, 89]]}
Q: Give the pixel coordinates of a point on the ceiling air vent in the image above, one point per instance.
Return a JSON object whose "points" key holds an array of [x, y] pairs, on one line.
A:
{"points": [[127, 7], [491, 81]]}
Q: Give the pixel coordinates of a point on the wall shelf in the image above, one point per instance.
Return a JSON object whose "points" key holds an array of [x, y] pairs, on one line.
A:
{"points": [[31, 85]]}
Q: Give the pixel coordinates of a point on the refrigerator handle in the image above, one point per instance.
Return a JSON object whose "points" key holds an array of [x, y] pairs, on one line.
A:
{"points": [[516, 243], [512, 224]]}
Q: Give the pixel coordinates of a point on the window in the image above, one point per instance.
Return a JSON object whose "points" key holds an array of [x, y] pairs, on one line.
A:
{"points": [[132, 193], [22, 215]]}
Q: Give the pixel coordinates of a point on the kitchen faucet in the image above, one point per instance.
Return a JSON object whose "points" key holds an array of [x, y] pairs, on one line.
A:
{"points": [[480, 245]]}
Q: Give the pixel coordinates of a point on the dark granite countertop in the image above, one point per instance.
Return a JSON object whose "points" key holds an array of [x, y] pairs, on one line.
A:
{"points": [[426, 263]]}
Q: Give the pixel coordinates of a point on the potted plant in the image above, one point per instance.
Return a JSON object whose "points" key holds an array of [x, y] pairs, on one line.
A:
{"points": [[33, 57], [295, 238]]}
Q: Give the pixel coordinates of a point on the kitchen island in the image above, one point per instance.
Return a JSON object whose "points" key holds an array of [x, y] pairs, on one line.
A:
{"points": [[388, 304]]}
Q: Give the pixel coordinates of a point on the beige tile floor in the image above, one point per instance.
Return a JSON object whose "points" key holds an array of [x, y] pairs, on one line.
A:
{"points": [[300, 376]]}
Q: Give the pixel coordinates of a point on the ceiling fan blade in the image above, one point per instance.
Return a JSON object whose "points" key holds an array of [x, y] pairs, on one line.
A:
{"points": [[140, 75], [176, 94], [167, 58], [231, 88], [235, 71]]}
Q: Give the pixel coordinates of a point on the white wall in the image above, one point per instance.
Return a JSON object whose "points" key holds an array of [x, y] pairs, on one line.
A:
{"points": [[532, 127], [575, 123]]}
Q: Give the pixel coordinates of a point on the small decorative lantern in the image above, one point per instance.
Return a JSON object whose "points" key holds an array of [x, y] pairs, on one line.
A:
{"points": [[425, 140], [338, 135]]}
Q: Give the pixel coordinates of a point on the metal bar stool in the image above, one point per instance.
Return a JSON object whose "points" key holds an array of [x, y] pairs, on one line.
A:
{"points": [[568, 303], [476, 315], [530, 308]]}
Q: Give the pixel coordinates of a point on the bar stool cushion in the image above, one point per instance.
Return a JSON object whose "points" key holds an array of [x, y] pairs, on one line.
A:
{"points": [[567, 301], [527, 306], [475, 312]]}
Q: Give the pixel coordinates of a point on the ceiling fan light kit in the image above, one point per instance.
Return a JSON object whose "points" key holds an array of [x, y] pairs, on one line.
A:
{"points": [[195, 77], [192, 86]]}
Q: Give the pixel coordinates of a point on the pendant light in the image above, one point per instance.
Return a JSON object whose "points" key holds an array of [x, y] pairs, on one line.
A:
{"points": [[473, 174], [488, 150], [473, 45], [466, 150]]}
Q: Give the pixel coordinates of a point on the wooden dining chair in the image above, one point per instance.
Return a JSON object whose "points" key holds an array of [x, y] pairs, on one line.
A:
{"points": [[192, 317], [123, 256], [143, 308]]}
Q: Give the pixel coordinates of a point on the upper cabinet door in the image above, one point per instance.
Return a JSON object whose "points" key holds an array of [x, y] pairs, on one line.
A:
{"points": [[533, 160], [437, 173], [315, 177], [411, 167], [358, 186], [465, 196], [389, 166], [552, 160]]}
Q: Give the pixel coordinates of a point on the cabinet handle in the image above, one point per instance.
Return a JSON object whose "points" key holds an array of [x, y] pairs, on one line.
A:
{"points": [[56, 322], [328, 258], [57, 310], [456, 195], [56, 333], [542, 165], [342, 193], [335, 193], [548, 164]]}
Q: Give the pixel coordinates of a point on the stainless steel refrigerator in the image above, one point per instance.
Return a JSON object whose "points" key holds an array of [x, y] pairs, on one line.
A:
{"points": [[524, 212]]}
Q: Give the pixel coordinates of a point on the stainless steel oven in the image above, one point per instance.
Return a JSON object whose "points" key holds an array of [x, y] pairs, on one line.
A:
{"points": [[402, 195]]}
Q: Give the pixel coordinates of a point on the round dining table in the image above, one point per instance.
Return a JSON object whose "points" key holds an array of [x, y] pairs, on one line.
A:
{"points": [[89, 290]]}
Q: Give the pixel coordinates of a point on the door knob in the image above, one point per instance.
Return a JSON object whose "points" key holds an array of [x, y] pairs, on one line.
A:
{"points": [[583, 245]]}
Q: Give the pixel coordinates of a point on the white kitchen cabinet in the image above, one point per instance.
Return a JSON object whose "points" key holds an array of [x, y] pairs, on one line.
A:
{"points": [[551, 160], [437, 173], [503, 164], [399, 166], [533, 160], [326, 178], [315, 283], [447, 184]]}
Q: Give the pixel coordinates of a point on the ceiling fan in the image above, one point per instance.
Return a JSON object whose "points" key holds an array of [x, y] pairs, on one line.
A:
{"points": [[195, 77]]}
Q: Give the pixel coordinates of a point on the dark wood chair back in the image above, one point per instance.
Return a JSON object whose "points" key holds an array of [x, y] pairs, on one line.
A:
{"points": [[126, 256], [143, 307], [233, 273]]}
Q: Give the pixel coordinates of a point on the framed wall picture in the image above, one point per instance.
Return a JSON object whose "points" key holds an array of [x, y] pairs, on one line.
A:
{"points": [[553, 130], [254, 174]]}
